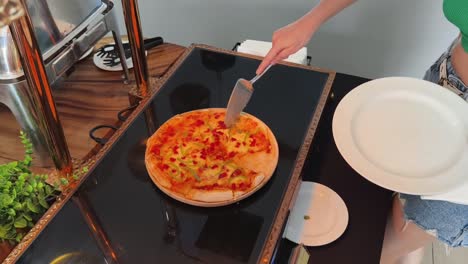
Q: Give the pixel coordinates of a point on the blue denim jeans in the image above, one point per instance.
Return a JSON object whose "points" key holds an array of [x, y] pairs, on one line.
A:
{"points": [[447, 221]]}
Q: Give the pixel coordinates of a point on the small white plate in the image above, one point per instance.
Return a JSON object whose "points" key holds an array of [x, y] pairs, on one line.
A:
{"points": [[404, 134], [319, 216], [99, 62]]}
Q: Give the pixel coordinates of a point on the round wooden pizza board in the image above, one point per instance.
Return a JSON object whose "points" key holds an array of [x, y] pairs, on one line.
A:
{"points": [[235, 199]]}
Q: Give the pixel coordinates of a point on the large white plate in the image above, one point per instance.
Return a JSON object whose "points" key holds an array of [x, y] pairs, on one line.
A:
{"points": [[404, 134], [326, 212]]}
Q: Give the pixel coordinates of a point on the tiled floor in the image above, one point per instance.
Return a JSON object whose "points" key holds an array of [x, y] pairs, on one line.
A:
{"points": [[436, 254]]}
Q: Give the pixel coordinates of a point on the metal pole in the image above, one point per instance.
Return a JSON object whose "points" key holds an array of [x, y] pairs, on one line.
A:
{"points": [[135, 38], [95, 227], [48, 121], [140, 66]]}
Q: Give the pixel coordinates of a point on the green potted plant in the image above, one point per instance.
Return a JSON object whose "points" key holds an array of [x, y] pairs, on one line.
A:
{"points": [[24, 197]]}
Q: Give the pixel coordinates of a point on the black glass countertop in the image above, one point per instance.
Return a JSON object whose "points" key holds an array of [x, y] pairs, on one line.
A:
{"points": [[141, 224], [368, 204]]}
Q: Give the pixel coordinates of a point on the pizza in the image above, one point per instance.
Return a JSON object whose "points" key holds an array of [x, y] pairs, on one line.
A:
{"points": [[195, 158]]}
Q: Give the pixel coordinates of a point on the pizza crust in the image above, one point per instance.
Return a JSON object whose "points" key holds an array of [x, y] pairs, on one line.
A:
{"points": [[238, 194], [211, 196], [154, 172], [257, 180]]}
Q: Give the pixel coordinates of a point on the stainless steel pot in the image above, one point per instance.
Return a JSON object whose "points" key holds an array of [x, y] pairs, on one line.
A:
{"points": [[55, 20], [10, 63], [54, 23]]}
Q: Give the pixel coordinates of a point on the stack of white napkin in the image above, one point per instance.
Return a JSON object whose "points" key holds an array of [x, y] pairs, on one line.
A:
{"points": [[261, 48]]}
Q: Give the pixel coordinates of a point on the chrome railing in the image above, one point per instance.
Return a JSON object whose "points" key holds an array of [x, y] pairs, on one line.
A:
{"points": [[40, 93]]}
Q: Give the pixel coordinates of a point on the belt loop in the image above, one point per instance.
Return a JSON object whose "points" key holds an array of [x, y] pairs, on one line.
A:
{"points": [[443, 78], [443, 71]]}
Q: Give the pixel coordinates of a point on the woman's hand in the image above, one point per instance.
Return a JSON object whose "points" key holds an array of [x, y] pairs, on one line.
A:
{"points": [[286, 41], [291, 38]]}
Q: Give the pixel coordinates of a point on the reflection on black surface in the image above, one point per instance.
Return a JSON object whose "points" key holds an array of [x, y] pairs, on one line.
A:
{"points": [[67, 239], [146, 226], [188, 97], [217, 62], [77, 258], [169, 215], [230, 235], [97, 230], [136, 161]]}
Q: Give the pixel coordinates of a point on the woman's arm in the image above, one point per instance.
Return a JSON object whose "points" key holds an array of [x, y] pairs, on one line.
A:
{"points": [[291, 38]]}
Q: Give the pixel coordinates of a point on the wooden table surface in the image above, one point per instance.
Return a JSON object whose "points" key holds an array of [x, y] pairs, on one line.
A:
{"points": [[87, 97]]}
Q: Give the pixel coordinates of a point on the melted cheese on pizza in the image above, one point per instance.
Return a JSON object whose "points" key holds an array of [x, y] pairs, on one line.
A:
{"points": [[198, 151]]}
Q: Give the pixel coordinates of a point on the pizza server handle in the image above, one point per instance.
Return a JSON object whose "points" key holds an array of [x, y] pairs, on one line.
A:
{"points": [[254, 79]]}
